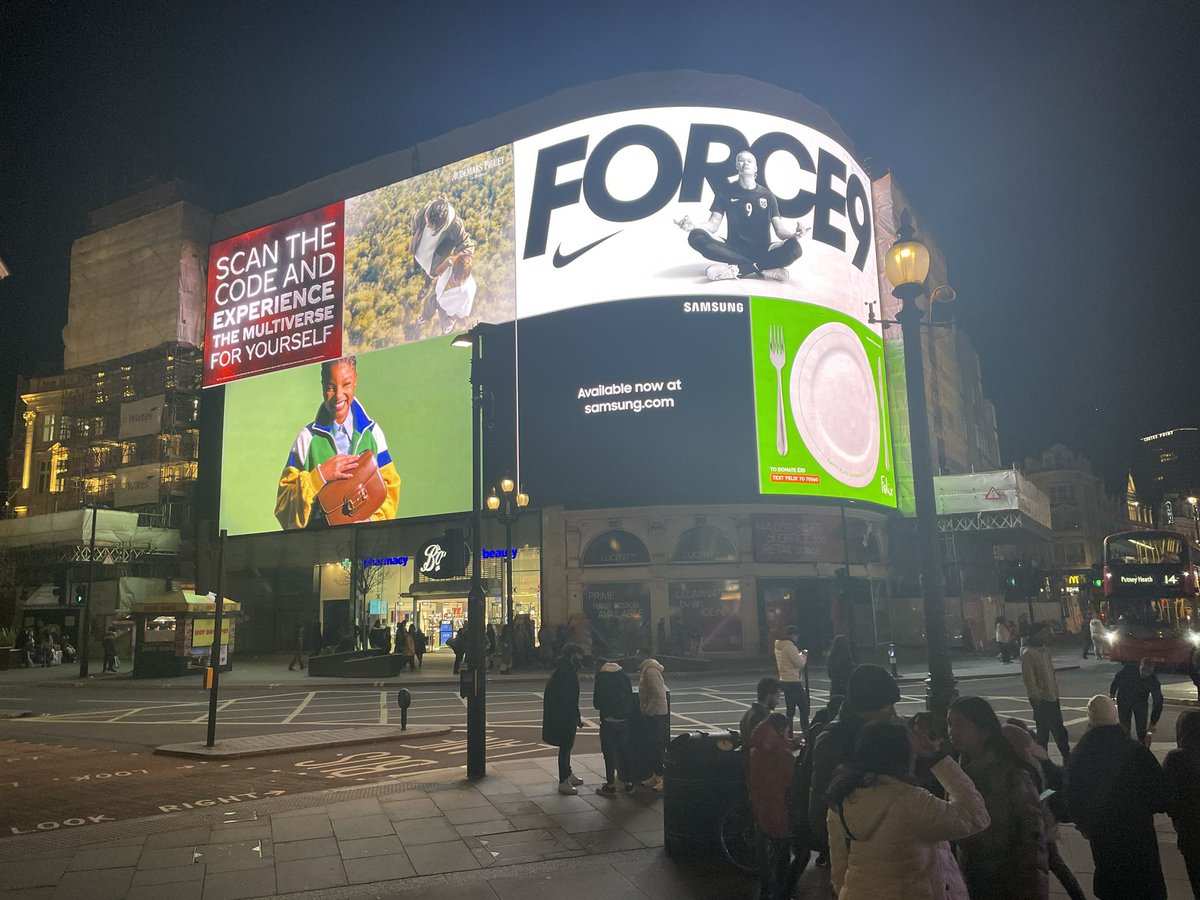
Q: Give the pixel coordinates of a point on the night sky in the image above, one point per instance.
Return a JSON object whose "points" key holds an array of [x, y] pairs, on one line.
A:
{"points": [[1050, 148]]}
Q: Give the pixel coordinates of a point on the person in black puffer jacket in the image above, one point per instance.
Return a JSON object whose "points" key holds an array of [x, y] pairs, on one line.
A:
{"points": [[613, 698], [1114, 787]]}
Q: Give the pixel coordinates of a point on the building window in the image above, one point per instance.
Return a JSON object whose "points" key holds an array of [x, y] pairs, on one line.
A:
{"points": [[43, 478], [128, 452], [49, 427], [615, 547], [703, 544]]}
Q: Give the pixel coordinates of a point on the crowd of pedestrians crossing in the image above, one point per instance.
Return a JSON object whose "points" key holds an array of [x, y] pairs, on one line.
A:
{"points": [[971, 808], [901, 809]]}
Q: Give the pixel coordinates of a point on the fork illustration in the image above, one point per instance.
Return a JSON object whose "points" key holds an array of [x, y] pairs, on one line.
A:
{"points": [[778, 354]]}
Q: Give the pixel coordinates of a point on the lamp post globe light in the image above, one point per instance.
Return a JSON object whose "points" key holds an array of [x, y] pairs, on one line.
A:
{"points": [[507, 505], [907, 267]]}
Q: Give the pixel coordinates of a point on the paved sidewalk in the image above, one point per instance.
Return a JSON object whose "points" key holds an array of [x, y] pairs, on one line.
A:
{"points": [[511, 835], [290, 741], [508, 837]]}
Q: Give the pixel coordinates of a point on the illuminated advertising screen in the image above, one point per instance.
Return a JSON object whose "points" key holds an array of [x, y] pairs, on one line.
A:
{"points": [[275, 297], [684, 292]]}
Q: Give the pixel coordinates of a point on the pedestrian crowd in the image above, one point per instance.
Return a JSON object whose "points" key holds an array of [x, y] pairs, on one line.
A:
{"points": [[896, 809], [968, 809]]}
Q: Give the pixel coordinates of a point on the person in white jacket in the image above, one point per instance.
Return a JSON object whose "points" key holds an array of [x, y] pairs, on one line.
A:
{"points": [[888, 838], [791, 662], [652, 702]]}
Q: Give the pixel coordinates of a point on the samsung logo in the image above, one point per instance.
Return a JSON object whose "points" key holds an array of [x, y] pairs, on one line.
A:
{"points": [[713, 306]]}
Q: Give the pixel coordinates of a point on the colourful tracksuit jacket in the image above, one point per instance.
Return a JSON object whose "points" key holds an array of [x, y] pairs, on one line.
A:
{"points": [[296, 503]]}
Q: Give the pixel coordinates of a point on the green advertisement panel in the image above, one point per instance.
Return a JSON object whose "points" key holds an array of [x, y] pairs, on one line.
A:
{"points": [[412, 411], [820, 402]]}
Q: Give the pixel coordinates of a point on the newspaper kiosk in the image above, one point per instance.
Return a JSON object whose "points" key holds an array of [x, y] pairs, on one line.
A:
{"points": [[173, 634]]}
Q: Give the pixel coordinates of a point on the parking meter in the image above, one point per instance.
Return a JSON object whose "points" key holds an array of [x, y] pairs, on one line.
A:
{"points": [[404, 701]]}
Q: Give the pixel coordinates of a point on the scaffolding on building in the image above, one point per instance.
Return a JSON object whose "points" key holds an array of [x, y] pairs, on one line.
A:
{"points": [[94, 452]]}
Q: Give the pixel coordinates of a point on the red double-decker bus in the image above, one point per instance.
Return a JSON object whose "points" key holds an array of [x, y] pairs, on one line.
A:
{"points": [[1150, 588]]}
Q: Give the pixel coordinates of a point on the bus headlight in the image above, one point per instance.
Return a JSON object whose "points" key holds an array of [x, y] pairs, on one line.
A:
{"points": [[1194, 637]]}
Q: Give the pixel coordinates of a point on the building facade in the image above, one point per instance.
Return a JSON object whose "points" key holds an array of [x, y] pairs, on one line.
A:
{"points": [[119, 428], [710, 457]]}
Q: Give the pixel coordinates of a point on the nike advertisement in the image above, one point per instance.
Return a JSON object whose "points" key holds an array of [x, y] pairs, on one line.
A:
{"points": [[691, 202], [686, 291]]}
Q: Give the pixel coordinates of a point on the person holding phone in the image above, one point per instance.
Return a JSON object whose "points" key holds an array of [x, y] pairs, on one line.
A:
{"points": [[791, 662]]}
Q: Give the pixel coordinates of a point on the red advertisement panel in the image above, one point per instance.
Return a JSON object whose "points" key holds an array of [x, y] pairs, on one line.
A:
{"points": [[275, 297]]}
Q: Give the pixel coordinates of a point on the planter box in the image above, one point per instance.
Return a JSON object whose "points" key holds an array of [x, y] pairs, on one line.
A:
{"points": [[11, 658]]}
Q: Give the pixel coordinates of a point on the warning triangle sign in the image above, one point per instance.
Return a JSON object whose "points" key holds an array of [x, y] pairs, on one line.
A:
{"points": [[992, 494]]}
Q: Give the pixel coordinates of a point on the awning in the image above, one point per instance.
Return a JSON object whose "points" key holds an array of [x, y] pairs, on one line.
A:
{"points": [[182, 603], [42, 598]]}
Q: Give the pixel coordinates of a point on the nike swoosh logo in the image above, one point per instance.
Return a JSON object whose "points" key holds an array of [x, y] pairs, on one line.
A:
{"points": [[560, 260]]}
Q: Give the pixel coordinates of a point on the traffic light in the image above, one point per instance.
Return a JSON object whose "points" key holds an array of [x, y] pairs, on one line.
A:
{"points": [[80, 595], [61, 588], [1097, 575], [1009, 576]]}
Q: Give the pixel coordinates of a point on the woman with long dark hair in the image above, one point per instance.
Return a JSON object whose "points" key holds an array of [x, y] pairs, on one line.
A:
{"points": [[838, 665], [1008, 859], [888, 837], [1052, 777]]}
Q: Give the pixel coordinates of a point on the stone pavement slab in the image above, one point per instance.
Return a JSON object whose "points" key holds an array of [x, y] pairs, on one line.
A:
{"points": [[266, 744]]}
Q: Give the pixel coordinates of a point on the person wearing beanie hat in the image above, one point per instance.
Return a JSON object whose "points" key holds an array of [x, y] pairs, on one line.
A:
{"points": [[1102, 711], [1115, 785], [871, 687], [871, 696]]}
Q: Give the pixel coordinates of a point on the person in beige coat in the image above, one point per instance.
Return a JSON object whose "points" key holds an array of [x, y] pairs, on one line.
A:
{"points": [[888, 838], [653, 704]]}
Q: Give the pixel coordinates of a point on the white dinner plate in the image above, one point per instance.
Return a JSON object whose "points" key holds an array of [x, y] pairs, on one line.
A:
{"points": [[835, 405]]}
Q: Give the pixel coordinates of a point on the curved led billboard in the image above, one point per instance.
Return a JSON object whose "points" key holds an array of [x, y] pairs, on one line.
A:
{"points": [[684, 291]]}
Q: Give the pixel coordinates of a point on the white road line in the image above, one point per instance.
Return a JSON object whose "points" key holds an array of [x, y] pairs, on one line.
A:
{"points": [[153, 704], [299, 708], [676, 715], [220, 706], [128, 712]]}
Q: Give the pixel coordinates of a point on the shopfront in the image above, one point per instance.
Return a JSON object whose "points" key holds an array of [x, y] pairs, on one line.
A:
{"points": [[721, 582], [340, 581]]}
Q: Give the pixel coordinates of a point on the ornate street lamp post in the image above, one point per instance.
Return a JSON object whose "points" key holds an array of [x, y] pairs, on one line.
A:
{"points": [[507, 506], [1195, 514], [907, 267], [476, 693]]}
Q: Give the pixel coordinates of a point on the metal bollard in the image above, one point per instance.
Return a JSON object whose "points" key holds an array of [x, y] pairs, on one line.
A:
{"points": [[404, 701], [892, 660]]}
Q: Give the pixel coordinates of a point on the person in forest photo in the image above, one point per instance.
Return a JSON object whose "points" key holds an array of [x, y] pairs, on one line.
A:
{"points": [[442, 246]]}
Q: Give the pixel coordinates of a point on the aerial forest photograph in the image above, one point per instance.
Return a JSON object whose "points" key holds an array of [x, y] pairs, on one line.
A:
{"points": [[431, 255]]}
